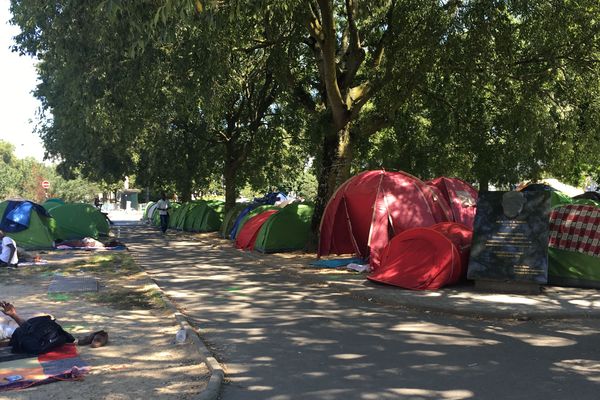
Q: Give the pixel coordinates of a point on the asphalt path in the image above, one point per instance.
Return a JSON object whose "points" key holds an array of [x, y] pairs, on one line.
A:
{"points": [[280, 338]]}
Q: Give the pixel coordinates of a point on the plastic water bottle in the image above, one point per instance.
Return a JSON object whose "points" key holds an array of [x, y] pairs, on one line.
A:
{"points": [[181, 336]]}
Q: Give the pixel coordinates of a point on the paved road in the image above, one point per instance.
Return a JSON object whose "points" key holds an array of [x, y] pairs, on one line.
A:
{"points": [[279, 338]]}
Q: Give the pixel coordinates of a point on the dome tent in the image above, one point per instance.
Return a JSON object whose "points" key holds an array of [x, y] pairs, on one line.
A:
{"points": [[207, 216], [246, 214], [460, 196], [287, 230], [426, 258], [79, 220], [257, 206], [373, 206], [149, 210], [247, 234], [574, 246], [230, 218], [53, 202], [37, 232]]}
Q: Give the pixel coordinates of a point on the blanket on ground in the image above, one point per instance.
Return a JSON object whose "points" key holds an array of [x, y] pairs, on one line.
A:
{"points": [[63, 363], [336, 262]]}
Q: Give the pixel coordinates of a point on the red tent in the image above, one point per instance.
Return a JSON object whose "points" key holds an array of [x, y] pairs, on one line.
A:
{"points": [[247, 235], [461, 197], [426, 258], [373, 206]]}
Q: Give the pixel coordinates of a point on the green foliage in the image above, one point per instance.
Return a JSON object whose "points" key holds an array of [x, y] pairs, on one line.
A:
{"points": [[22, 178], [211, 96]]}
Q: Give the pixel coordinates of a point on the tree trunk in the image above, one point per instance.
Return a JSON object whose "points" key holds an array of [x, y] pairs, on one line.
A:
{"points": [[335, 169], [484, 184], [184, 184], [345, 156], [229, 175], [185, 191]]}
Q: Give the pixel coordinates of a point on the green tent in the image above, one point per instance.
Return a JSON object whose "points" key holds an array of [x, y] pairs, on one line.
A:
{"points": [[572, 268], [79, 220], [148, 206], [573, 259], [175, 214], [190, 216], [210, 216], [177, 221], [558, 199], [40, 234], [229, 219], [588, 202], [53, 202], [182, 212], [194, 211], [199, 216], [286, 230]]}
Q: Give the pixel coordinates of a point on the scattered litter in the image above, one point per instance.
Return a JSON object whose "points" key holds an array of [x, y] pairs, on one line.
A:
{"points": [[358, 267], [34, 262], [181, 336]]}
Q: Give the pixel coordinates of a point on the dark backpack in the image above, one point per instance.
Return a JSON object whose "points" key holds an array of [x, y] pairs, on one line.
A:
{"points": [[39, 335]]}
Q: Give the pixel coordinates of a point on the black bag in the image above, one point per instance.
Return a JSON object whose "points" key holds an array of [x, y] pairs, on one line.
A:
{"points": [[39, 335]]}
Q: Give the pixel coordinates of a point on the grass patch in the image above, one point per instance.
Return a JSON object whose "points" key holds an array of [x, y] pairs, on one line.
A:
{"points": [[128, 299], [123, 284]]}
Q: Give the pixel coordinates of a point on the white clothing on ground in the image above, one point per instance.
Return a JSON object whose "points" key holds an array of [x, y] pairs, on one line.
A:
{"points": [[7, 327], [6, 241]]}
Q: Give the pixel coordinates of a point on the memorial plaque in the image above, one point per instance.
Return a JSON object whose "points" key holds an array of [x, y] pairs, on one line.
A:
{"points": [[510, 237]]}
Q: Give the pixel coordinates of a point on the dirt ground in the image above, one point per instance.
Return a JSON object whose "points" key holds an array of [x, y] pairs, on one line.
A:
{"points": [[141, 360]]}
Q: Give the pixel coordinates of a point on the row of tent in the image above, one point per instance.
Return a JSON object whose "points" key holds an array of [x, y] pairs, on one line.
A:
{"points": [[361, 217], [260, 225], [194, 216], [269, 228], [415, 234], [37, 227]]}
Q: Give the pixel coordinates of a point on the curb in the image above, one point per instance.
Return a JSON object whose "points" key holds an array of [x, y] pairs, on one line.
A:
{"points": [[211, 392], [217, 374]]}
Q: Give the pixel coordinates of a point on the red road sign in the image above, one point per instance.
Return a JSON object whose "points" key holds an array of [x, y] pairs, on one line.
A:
{"points": [[45, 184]]}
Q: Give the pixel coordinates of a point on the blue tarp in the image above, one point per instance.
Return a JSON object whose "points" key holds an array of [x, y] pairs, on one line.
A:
{"points": [[238, 220], [337, 262], [17, 214]]}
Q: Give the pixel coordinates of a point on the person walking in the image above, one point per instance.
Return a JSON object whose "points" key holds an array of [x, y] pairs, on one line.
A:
{"points": [[163, 206], [8, 254]]}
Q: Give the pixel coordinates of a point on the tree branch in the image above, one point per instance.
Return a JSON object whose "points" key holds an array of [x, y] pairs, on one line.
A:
{"points": [[329, 71], [354, 54]]}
